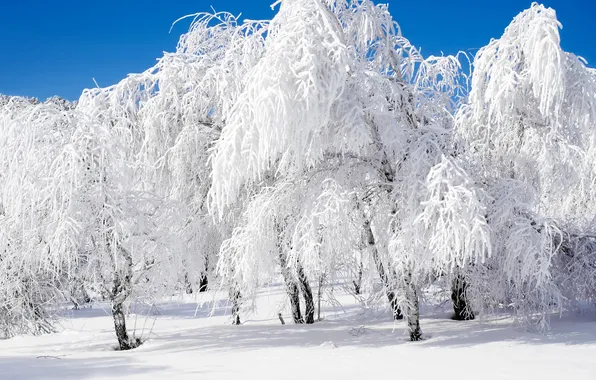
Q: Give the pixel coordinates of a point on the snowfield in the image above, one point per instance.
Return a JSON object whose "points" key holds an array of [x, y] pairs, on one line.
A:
{"points": [[184, 342]]}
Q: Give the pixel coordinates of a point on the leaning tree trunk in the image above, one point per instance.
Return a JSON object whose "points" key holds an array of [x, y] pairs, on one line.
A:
{"points": [[294, 295], [370, 241], [291, 288], [461, 305], [309, 304], [413, 311]]}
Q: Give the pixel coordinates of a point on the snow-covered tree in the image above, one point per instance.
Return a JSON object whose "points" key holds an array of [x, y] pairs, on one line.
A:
{"points": [[134, 174], [527, 133], [339, 86], [197, 86], [32, 134], [109, 222]]}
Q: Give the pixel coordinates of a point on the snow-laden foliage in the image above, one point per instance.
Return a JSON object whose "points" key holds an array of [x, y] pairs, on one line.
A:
{"points": [[373, 103], [528, 135], [290, 104], [301, 219], [169, 116], [31, 259], [123, 181]]}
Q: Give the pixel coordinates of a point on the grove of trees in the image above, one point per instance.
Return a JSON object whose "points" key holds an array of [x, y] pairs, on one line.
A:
{"points": [[318, 148]]}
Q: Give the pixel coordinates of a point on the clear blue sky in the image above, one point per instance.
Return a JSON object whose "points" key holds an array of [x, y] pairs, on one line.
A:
{"points": [[56, 47]]}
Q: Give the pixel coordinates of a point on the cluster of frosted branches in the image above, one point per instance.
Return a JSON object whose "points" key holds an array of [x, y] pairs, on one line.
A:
{"points": [[31, 262], [109, 193], [320, 147], [374, 116], [527, 133]]}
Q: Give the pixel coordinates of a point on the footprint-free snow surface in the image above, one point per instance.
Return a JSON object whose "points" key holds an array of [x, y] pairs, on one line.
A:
{"points": [[184, 342]]}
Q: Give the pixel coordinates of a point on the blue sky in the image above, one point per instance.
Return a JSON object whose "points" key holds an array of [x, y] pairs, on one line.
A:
{"points": [[56, 48]]}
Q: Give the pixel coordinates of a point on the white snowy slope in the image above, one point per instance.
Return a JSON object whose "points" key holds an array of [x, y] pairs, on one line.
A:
{"points": [[185, 343]]}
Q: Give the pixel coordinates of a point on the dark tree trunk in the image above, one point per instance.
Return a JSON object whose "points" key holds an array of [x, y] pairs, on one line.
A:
{"points": [[294, 295], [119, 294], [235, 295], [291, 288], [461, 306], [124, 342], [370, 241], [396, 311], [187, 285], [121, 289], [204, 282], [309, 304], [358, 281], [413, 312]]}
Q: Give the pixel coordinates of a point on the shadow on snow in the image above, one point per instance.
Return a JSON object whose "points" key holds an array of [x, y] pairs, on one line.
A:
{"points": [[63, 368]]}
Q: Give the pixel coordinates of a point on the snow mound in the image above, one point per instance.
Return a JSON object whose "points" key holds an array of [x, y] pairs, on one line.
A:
{"points": [[328, 344]]}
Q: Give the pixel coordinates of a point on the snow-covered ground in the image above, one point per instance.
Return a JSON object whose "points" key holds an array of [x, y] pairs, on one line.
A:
{"points": [[185, 343]]}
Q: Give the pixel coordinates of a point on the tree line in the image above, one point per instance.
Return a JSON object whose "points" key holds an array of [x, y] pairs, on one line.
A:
{"points": [[319, 147]]}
